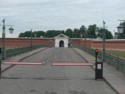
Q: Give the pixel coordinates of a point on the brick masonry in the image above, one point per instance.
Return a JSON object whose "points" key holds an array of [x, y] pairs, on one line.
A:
{"points": [[22, 42]]}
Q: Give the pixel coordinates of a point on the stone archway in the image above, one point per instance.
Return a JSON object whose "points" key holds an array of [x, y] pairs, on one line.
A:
{"points": [[61, 43]]}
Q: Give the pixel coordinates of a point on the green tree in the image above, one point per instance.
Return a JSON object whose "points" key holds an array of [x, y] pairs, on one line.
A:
{"points": [[107, 33], [21, 35], [82, 31], [27, 34], [91, 31], [76, 33], [53, 33], [38, 34], [69, 33]]}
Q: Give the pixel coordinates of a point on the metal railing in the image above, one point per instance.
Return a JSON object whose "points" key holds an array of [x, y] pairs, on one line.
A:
{"points": [[115, 61], [16, 51]]}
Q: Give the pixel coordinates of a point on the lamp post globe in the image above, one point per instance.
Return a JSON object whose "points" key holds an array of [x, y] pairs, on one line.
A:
{"points": [[96, 32], [121, 27], [11, 30]]}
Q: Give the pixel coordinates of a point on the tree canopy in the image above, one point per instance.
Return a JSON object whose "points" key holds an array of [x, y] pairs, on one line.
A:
{"points": [[81, 32]]}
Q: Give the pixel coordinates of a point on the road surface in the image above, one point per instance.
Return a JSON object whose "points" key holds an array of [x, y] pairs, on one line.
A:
{"points": [[47, 79]]}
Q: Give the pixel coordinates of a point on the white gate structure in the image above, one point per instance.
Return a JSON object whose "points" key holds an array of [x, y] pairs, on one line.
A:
{"points": [[61, 41]]}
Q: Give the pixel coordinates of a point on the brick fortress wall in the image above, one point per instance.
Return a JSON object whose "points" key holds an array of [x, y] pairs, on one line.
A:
{"points": [[21, 42]]}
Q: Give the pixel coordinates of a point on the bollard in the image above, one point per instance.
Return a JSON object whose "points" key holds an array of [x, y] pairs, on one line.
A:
{"points": [[99, 70]]}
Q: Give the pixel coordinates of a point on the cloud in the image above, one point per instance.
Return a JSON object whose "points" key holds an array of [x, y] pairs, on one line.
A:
{"points": [[60, 14], [20, 2]]}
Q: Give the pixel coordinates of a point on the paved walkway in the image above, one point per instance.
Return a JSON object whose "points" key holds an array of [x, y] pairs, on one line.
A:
{"points": [[48, 79], [113, 77]]}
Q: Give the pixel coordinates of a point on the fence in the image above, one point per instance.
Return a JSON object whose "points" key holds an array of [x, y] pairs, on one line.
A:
{"points": [[115, 61], [16, 51]]}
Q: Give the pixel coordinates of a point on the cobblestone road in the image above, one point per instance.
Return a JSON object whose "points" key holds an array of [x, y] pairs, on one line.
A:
{"points": [[47, 79]]}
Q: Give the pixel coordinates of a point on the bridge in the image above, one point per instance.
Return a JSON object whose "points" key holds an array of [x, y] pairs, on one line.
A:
{"points": [[60, 66], [50, 70]]}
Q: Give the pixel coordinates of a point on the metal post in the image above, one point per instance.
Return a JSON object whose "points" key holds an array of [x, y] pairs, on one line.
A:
{"points": [[85, 40], [3, 41], [0, 68], [31, 40], [3, 38], [0, 63], [104, 35]]}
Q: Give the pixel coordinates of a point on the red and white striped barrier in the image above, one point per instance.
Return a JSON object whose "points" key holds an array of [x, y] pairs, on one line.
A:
{"points": [[72, 64], [21, 63]]}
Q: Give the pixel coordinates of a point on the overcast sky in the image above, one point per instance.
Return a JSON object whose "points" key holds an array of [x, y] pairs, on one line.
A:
{"points": [[60, 14]]}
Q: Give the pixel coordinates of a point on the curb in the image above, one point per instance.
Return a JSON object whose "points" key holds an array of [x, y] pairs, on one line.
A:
{"points": [[110, 85], [103, 76]]}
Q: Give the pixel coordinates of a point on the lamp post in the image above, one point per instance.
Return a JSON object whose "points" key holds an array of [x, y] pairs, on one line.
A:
{"points": [[31, 40], [3, 41], [104, 35], [35, 34], [3, 38], [85, 37], [97, 32]]}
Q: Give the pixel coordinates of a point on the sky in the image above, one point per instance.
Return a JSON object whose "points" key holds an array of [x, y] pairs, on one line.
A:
{"points": [[45, 15]]}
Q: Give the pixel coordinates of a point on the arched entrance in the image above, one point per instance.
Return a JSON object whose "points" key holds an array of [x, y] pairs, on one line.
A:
{"points": [[61, 43]]}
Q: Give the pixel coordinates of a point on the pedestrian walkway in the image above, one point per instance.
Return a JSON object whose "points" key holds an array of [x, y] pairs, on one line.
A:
{"points": [[113, 77], [50, 79]]}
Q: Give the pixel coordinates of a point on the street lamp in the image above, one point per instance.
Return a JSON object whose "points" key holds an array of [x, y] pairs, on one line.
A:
{"points": [[104, 35], [3, 38], [11, 30], [31, 40], [85, 37], [35, 34], [121, 28], [97, 32]]}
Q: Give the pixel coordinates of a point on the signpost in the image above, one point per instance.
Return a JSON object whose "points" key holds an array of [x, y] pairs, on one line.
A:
{"points": [[96, 54]]}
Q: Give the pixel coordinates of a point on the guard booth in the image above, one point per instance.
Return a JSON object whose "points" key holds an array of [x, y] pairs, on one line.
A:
{"points": [[61, 41]]}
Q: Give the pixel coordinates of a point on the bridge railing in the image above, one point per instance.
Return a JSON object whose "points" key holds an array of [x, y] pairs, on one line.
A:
{"points": [[16, 51], [115, 61]]}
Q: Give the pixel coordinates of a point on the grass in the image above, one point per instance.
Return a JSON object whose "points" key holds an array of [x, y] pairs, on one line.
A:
{"points": [[117, 53]]}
